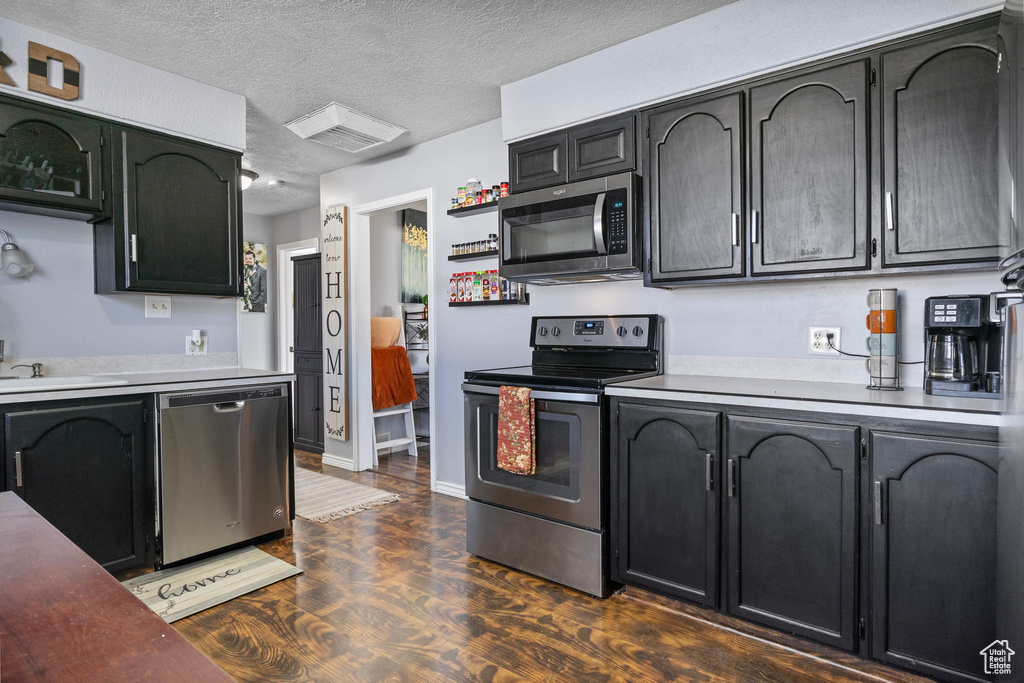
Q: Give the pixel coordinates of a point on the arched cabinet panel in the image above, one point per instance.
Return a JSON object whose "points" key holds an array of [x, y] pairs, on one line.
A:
{"points": [[940, 120], [933, 552], [52, 161], [791, 507], [695, 189], [665, 525], [176, 225], [809, 161], [84, 468]]}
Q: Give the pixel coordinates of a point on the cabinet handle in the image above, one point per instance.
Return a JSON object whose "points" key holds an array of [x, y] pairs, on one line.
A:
{"points": [[731, 483], [17, 469], [134, 244], [735, 230], [878, 502], [754, 226], [709, 463], [888, 212]]}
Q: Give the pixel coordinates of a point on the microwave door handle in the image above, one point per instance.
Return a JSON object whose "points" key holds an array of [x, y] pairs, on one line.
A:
{"points": [[599, 225]]}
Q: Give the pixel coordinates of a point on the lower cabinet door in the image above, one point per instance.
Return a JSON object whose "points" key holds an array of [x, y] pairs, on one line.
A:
{"points": [[83, 468], [665, 523], [308, 428], [933, 576], [791, 510]]}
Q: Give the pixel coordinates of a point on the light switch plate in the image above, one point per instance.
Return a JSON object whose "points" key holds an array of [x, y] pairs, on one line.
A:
{"points": [[158, 306], [191, 350]]}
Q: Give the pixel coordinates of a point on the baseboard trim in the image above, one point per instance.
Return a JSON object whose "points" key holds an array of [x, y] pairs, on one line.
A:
{"points": [[339, 461], [449, 489]]}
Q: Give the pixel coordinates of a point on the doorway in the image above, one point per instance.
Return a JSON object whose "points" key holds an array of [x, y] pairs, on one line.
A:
{"points": [[286, 294], [366, 218]]}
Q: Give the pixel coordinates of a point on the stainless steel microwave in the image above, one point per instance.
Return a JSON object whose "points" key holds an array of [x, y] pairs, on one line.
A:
{"points": [[587, 231]]}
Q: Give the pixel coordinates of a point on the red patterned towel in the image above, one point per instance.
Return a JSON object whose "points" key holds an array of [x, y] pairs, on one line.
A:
{"points": [[516, 431]]}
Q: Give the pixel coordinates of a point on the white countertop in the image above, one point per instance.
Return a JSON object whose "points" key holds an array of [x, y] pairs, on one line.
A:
{"points": [[833, 397], [149, 383]]}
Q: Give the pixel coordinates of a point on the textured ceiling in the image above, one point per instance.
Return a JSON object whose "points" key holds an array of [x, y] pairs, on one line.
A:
{"points": [[431, 67]]}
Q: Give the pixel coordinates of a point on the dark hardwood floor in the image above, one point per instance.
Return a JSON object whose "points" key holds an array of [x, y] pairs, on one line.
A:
{"points": [[391, 594], [403, 466]]}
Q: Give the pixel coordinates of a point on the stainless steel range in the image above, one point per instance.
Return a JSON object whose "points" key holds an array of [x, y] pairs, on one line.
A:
{"points": [[553, 523]]}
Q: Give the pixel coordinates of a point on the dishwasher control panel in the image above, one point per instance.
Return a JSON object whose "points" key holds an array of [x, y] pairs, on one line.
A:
{"points": [[218, 396]]}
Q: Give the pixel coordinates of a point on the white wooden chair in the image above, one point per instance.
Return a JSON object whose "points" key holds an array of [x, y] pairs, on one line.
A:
{"points": [[409, 440]]}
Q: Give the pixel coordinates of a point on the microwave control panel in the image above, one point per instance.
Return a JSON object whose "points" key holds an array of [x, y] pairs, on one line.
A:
{"points": [[618, 222]]}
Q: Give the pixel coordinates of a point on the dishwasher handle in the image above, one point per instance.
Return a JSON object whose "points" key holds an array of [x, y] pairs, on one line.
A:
{"points": [[229, 407]]}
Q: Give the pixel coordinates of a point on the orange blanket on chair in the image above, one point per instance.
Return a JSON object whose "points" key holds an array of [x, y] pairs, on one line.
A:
{"points": [[392, 377]]}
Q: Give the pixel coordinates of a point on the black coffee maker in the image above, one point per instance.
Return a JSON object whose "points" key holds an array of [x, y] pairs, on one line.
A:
{"points": [[963, 344]]}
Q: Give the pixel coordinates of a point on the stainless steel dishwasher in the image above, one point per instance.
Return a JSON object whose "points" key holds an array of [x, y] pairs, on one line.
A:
{"points": [[224, 468]]}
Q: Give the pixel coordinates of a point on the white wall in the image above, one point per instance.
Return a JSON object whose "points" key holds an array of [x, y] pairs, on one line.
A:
{"points": [[257, 332], [117, 88], [54, 312], [742, 320], [730, 43], [385, 263]]}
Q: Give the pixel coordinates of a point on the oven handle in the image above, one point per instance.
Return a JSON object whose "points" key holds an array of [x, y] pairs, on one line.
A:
{"points": [[602, 248], [565, 396]]}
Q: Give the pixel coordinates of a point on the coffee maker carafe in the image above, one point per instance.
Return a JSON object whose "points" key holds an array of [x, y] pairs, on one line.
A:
{"points": [[964, 345]]}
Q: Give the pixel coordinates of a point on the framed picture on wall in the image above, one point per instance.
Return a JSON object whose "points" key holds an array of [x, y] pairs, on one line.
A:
{"points": [[254, 274]]}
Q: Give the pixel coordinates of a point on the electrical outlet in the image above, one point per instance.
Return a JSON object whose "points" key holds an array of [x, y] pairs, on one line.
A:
{"points": [[817, 340], [195, 349], [158, 306]]}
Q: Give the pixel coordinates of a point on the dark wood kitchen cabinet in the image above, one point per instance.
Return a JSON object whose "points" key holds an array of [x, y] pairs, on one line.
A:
{"points": [[695, 190], [939, 140], [602, 147], [538, 162], [308, 430], [84, 467], [665, 478], [809, 161], [176, 225], [589, 150], [53, 161], [933, 532], [791, 529]]}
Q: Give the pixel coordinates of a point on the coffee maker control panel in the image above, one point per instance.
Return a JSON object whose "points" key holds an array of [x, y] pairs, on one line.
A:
{"points": [[955, 312]]}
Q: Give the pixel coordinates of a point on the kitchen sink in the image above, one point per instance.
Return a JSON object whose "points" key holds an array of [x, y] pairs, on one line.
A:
{"points": [[20, 384]]}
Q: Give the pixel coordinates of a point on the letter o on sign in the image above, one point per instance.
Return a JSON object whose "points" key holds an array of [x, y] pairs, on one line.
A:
{"points": [[335, 318]]}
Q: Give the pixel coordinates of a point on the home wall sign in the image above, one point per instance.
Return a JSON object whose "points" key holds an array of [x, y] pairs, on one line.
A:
{"points": [[39, 58], [334, 238]]}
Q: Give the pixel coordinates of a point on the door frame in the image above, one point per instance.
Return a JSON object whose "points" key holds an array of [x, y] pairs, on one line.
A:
{"points": [[284, 309], [359, 322]]}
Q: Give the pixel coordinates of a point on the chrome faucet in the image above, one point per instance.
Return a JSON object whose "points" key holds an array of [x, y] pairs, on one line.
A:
{"points": [[37, 368]]}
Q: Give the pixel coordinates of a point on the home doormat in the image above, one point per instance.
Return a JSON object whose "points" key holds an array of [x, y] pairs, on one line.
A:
{"points": [[182, 591], [320, 498]]}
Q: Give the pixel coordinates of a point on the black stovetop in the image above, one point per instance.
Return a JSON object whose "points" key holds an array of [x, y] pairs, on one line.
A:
{"points": [[554, 376]]}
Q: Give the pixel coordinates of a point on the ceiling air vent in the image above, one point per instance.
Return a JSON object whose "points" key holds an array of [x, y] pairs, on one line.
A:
{"points": [[343, 128]]}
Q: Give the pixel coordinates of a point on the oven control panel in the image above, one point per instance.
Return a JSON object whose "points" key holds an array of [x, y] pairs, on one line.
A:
{"points": [[627, 331]]}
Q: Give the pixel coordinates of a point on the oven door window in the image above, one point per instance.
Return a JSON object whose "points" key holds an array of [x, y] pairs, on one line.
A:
{"points": [[555, 230], [558, 451]]}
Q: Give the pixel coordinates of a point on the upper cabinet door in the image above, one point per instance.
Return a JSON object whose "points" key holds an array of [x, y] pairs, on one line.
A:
{"points": [[602, 148], [694, 190], [809, 172], [181, 215], [51, 158], [940, 122], [538, 162]]}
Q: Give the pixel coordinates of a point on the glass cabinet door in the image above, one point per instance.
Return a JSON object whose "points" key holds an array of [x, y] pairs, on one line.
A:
{"points": [[51, 158]]}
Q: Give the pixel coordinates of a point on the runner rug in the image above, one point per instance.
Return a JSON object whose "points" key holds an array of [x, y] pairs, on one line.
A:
{"points": [[320, 498]]}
